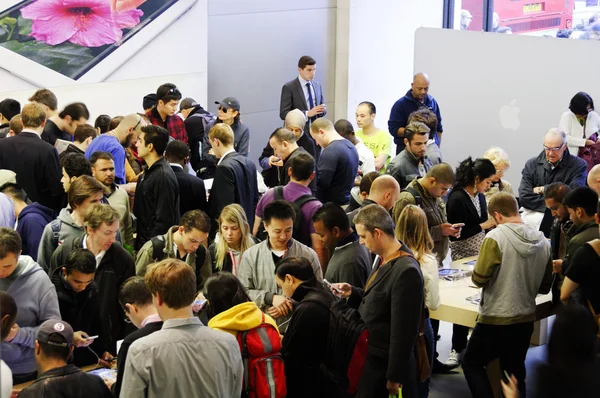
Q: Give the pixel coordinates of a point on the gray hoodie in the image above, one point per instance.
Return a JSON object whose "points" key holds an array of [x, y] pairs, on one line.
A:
{"points": [[68, 229], [36, 302], [514, 265]]}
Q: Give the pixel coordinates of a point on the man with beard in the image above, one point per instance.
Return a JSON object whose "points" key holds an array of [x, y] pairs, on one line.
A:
{"points": [[103, 170], [115, 142], [413, 162]]}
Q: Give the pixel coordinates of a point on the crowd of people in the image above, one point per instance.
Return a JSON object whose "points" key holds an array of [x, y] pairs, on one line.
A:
{"points": [[110, 237]]}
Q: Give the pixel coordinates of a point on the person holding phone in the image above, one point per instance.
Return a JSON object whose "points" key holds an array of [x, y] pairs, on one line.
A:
{"points": [[467, 206], [79, 304]]}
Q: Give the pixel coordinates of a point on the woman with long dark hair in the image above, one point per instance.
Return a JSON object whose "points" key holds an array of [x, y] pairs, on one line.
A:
{"points": [[467, 207]]}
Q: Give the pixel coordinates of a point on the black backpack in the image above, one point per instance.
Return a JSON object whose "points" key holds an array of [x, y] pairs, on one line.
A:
{"points": [[158, 254], [298, 221], [346, 352], [415, 195]]}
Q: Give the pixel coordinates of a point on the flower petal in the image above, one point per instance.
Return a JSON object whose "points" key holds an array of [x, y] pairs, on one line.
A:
{"points": [[43, 10], [54, 31], [98, 33]]}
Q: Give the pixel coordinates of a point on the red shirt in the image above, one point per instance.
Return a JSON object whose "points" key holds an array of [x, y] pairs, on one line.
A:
{"points": [[173, 123]]}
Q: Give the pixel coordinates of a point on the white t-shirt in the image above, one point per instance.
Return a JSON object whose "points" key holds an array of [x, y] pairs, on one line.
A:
{"points": [[574, 130], [5, 380]]}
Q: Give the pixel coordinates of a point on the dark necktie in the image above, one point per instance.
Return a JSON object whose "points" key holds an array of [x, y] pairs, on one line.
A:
{"points": [[311, 101]]}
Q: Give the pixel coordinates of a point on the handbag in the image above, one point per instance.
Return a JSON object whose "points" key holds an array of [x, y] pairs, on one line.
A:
{"points": [[421, 358], [590, 154]]}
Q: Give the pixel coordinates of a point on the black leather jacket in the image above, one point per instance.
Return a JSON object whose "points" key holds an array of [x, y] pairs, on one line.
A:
{"points": [[66, 382]]}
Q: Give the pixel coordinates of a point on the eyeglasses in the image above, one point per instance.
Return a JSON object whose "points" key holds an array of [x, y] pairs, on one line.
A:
{"points": [[554, 149]]}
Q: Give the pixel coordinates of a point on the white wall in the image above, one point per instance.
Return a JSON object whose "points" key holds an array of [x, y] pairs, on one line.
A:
{"points": [[179, 49], [119, 97], [253, 50], [379, 51]]}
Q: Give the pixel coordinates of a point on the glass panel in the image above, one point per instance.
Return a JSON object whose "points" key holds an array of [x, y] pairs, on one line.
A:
{"points": [[551, 18], [468, 15]]}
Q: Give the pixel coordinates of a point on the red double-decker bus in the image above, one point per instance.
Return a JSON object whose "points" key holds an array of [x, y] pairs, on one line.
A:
{"points": [[524, 16]]}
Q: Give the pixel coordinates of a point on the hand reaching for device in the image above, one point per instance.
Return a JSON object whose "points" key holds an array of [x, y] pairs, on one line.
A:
{"points": [[125, 5]]}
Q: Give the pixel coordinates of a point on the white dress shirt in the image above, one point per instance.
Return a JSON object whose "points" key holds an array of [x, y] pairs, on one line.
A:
{"points": [[305, 91]]}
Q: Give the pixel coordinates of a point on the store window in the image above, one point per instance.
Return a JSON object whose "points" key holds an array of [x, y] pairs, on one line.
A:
{"points": [[576, 19]]}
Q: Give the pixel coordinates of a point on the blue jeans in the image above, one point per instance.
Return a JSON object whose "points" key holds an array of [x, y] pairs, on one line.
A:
{"points": [[423, 388]]}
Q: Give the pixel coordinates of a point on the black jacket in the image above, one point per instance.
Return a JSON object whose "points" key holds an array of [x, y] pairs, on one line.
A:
{"points": [[36, 164], [66, 382], [52, 133], [156, 204], [272, 175], [305, 340], [391, 308], [116, 267], [578, 236], [460, 209], [235, 182], [192, 193], [537, 172], [241, 144], [194, 127], [122, 357], [81, 311]]}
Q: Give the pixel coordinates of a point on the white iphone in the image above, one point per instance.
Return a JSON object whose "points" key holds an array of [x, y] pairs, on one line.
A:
{"points": [[52, 43]]}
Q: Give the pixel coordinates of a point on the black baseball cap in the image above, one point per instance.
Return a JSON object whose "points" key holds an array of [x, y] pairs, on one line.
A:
{"points": [[149, 101], [229, 103]]}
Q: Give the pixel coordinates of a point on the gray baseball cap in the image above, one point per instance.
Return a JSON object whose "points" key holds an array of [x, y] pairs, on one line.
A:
{"points": [[55, 326]]}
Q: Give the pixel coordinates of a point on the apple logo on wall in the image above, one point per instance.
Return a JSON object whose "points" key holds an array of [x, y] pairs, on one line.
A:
{"points": [[509, 116]]}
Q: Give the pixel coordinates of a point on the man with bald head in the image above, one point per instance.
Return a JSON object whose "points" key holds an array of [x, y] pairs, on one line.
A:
{"points": [[115, 142], [553, 164], [416, 98], [593, 179], [385, 191]]}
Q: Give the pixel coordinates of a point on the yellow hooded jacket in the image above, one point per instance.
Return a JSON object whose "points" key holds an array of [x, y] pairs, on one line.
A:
{"points": [[240, 318]]}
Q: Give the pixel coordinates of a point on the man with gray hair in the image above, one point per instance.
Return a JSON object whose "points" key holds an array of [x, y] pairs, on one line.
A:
{"points": [[553, 164]]}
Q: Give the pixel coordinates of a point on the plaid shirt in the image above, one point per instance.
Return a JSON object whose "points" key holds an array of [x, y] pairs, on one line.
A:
{"points": [[173, 123]]}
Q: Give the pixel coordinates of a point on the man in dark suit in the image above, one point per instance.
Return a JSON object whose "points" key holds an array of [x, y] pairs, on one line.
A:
{"points": [[390, 305], [33, 160], [235, 177], [192, 194], [303, 93]]}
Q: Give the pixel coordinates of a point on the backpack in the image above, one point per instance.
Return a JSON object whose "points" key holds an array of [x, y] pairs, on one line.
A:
{"points": [[264, 372], [158, 254], [299, 219], [207, 118], [55, 226], [415, 194], [346, 350]]}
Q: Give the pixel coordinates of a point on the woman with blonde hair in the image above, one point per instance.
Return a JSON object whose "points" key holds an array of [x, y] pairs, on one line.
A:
{"points": [[501, 162], [412, 229], [233, 240]]}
